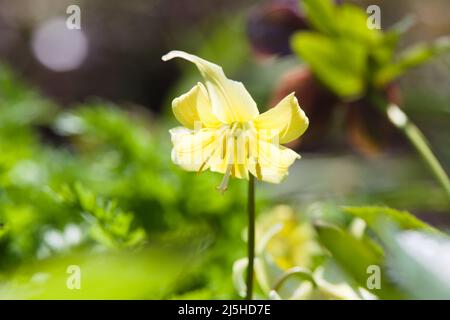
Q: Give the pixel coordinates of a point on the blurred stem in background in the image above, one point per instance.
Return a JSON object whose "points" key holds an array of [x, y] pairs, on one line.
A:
{"points": [[400, 120], [251, 235]]}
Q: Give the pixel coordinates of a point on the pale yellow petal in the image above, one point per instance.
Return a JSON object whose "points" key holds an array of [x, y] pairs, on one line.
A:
{"points": [[185, 108], [230, 100], [204, 109], [270, 162], [192, 150], [287, 117], [193, 108]]}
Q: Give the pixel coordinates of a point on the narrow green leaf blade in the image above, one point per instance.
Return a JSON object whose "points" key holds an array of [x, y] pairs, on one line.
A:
{"points": [[373, 215], [418, 262], [411, 58], [355, 256]]}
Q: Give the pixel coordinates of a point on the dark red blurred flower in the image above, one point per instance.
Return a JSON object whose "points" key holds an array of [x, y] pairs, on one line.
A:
{"points": [[271, 25], [316, 100], [367, 129]]}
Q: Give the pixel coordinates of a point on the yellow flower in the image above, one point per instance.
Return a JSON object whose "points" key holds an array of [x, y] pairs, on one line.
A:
{"points": [[294, 244], [224, 132]]}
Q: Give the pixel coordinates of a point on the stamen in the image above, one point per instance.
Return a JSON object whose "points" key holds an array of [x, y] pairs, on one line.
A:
{"points": [[233, 128], [210, 155], [224, 146], [231, 167], [247, 147], [203, 164], [258, 171], [224, 184]]}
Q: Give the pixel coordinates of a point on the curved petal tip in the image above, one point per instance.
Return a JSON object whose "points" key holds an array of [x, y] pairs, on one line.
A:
{"points": [[180, 54], [170, 55]]}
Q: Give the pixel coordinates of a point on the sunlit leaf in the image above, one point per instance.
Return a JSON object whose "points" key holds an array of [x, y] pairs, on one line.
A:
{"points": [[321, 14], [373, 215], [418, 262], [339, 63], [147, 274], [352, 24], [355, 256]]}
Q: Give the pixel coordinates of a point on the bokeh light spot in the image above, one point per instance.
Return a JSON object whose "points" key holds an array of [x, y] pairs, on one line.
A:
{"points": [[57, 47]]}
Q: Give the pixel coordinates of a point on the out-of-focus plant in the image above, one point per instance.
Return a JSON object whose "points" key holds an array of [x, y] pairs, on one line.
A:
{"points": [[290, 263], [353, 65], [419, 262], [151, 273], [109, 224], [362, 250], [365, 259], [95, 178], [416, 254], [271, 24]]}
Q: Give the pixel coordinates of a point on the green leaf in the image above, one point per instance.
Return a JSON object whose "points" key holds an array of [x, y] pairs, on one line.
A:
{"points": [[373, 215], [338, 63], [383, 51], [345, 21], [148, 274], [352, 24], [355, 256], [419, 262], [321, 14], [109, 224], [410, 58]]}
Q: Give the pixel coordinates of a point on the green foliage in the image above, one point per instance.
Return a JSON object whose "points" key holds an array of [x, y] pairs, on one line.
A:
{"points": [[400, 257], [348, 56], [374, 215], [418, 262], [411, 57], [355, 256], [121, 275], [109, 224], [107, 174], [329, 58], [412, 256], [321, 14]]}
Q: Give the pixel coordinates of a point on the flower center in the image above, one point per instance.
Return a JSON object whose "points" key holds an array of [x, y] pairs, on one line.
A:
{"points": [[236, 139]]}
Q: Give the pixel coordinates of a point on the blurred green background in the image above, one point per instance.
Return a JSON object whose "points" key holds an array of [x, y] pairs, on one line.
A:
{"points": [[86, 177]]}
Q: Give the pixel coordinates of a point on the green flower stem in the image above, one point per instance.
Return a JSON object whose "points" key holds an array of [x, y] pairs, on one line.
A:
{"points": [[419, 141], [251, 236], [399, 119]]}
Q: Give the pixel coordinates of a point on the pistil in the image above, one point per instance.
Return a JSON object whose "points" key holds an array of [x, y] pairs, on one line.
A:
{"points": [[224, 184]]}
